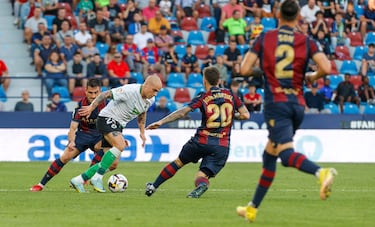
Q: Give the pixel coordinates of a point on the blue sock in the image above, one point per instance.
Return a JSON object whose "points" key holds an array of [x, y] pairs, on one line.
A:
{"points": [[265, 181], [167, 172], [289, 158]]}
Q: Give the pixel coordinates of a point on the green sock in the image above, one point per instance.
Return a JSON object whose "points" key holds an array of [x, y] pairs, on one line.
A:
{"points": [[108, 158], [90, 172]]}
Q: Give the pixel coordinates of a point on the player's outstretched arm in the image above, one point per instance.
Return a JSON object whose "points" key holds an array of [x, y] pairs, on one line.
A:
{"points": [[86, 110], [248, 63], [171, 117], [141, 125], [242, 114], [324, 67], [72, 134]]}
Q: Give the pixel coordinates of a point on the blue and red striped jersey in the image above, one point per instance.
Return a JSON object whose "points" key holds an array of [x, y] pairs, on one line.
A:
{"points": [[217, 106], [87, 123], [284, 55]]}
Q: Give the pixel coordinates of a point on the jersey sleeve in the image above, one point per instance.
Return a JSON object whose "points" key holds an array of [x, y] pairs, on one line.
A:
{"points": [[314, 47], [196, 102]]}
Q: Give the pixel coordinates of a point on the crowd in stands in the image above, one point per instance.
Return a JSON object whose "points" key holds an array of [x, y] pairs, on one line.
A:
{"points": [[124, 41]]}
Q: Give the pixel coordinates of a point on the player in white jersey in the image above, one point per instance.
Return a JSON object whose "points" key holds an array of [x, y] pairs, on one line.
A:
{"points": [[128, 102]]}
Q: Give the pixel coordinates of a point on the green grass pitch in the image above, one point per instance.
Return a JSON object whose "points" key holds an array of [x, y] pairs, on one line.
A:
{"points": [[293, 199]]}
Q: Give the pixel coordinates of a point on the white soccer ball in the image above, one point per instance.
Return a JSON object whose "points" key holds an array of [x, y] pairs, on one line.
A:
{"points": [[117, 183]]}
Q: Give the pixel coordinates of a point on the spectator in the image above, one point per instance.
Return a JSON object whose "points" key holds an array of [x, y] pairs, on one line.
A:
{"points": [[267, 8], [309, 10], [314, 100], [134, 27], [31, 25], [217, 6], [4, 75], [131, 54], [232, 55], [338, 35], [97, 69], [253, 101], [328, 7], [228, 10], [55, 73], [141, 4], [140, 39], [251, 8], [118, 72], [151, 59], [345, 92], [163, 40], [237, 27], [116, 31], [114, 11], [165, 7], [256, 27], [85, 8], [58, 20], [149, 11], [99, 4], [184, 8], [68, 49], [110, 55], [161, 106], [324, 43], [327, 90], [42, 52], [305, 28], [99, 28], [210, 60], [24, 104], [61, 34], [170, 59], [82, 36], [17, 8], [56, 105], [37, 37], [368, 60], [366, 91], [351, 19], [156, 22], [236, 74], [89, 50], [77, 72], [367, 21], [27, 10], [189, 62], [129, 14], [222, 69], [235, 88], [50, 7], [319, 25]]}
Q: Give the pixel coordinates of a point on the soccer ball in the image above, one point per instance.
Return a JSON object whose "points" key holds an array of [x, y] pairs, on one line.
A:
{"points": [[117, 183]]}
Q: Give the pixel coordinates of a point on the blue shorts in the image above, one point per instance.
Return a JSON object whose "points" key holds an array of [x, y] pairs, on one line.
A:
{"points": [[283, 119], [213, 157], [85, 140]]}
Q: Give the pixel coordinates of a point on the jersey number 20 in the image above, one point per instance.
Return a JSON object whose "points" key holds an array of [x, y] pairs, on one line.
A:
{"points": [[224, 112]]}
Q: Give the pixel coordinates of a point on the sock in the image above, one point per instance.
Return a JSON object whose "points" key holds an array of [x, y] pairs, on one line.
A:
{"points": [[90, 172], [97, 157], [289, 158], [108, 158], [53, 169], [201, 180], [167, 172], [265, 181]]}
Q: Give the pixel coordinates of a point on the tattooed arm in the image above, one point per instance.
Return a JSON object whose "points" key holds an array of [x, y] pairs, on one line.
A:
{"points": [[171, 117], [141, 125], [86, 110]]}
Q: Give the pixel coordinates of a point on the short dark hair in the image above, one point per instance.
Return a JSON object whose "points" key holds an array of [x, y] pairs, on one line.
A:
{"points": [[94, 82], [212, 75], [235, 83], [289, 10]]}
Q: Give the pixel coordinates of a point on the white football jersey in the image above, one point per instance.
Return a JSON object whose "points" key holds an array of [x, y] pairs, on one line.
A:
{"points": [[127, 104]]}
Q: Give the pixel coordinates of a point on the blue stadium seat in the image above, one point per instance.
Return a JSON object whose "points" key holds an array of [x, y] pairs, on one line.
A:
{"points": [[196, 38], [243, 48], [49, 19], [208, 24], [359, 9], [103, 89], [335, 80], [219, 49], [268, 23], [195, 80], [244, 90], [3, 95], [260, 91], [171, 106], [103, 48], [371, 80], [369, 109], [333, 108], [358, 52], [249, 20], [176, 80], [163, 92], [199, 90], [64, 93], [137, 76], [349, 67], [350, 108], [119, 47], [370, 38], [180, 50]]}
